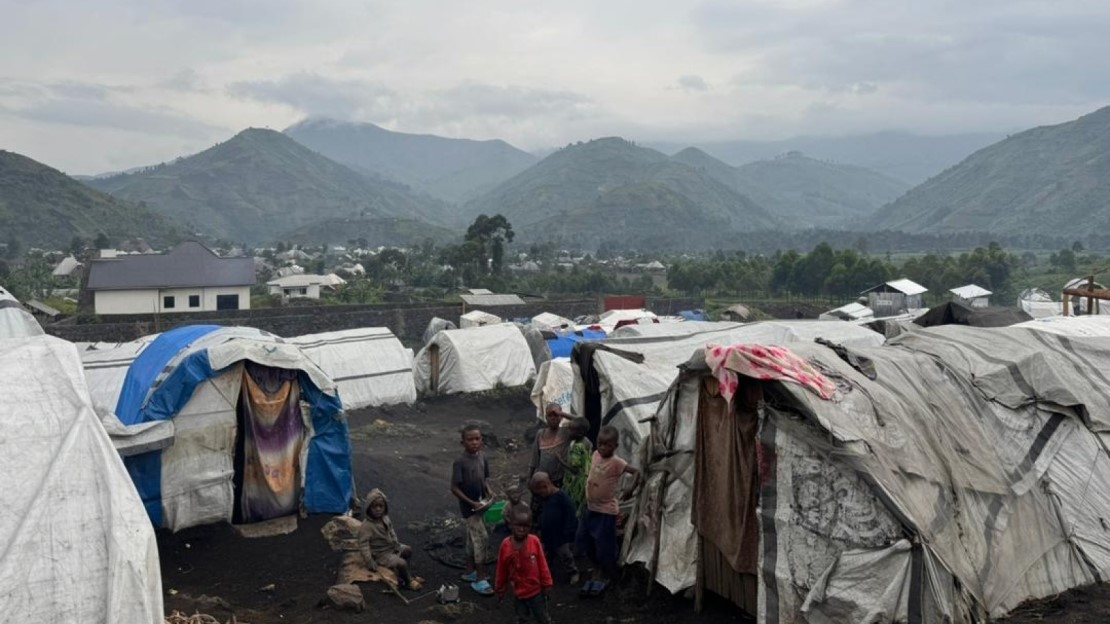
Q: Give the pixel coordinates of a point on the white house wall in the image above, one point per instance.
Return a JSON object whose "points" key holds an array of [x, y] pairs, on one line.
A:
{"points": [[150, 301]]}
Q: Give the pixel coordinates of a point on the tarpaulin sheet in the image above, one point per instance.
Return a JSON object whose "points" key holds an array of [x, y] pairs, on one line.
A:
{"points": [[369, 365], [75, 543], [198, 386], [967, 443], [476, 359], [16, 322], [562, 344]]}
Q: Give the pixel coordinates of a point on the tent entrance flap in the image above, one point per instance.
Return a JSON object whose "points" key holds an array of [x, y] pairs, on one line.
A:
{"points": [[726, 488], [270, 438]]}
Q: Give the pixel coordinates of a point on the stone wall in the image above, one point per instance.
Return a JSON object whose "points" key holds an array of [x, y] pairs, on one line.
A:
{"points": [[407, 321]]}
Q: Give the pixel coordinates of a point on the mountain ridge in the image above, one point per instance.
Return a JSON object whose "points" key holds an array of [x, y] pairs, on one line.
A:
{"points": [[261, 183]]}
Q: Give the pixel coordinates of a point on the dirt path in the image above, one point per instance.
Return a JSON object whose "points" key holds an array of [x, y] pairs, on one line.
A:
{"points": [[407, 452]]}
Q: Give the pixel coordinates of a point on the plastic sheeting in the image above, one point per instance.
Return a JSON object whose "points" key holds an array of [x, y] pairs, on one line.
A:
{"points": [[192, 375], [546, 321], [106, 369], [369, 365], [554, 384], [630, 392], [15, 322], [474, 360], [562, 344], [969, 477], [76, 543], [435, 326], [478, 318]]}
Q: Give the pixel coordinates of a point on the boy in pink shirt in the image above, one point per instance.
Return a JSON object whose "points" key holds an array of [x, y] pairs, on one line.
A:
{"points": [[597, 535]]}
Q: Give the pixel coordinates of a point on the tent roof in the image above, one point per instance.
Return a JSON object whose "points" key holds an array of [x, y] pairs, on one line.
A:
{"points": [[957, 313], [491, 300], [73, 496]]}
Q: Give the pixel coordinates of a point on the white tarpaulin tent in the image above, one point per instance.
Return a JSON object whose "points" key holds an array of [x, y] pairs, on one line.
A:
{"points": [[969, 476], [611, 318], [370, 365], [16, 322], [554, 384], [75, 542], [624, 392], [546, 321], [477, 318], [474, 360], [106, 367], [1039, 304]]}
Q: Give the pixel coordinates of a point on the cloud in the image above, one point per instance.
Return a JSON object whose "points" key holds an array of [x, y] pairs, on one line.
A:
{"points": [[96, 105], [315, 95], [692, 83]]}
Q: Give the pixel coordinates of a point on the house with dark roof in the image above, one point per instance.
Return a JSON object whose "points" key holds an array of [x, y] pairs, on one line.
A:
{"points": [[189, 278]]}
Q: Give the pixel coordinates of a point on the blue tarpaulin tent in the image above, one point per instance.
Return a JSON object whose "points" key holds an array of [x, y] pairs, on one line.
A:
{"points": [[694, 315], [191, 375], [563, 344]]}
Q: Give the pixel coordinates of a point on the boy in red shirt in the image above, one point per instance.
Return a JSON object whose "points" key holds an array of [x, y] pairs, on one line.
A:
{"points": [[522, 567]]}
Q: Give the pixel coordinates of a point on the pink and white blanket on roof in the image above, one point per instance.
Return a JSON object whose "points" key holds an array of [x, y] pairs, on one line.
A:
{"points": [[765, 363]]}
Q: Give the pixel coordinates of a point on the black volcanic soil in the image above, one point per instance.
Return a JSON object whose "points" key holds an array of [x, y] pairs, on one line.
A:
{"points": [[407, 452]]}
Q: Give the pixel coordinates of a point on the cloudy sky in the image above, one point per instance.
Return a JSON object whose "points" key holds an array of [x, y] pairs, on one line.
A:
{"points": [[98, 86]]}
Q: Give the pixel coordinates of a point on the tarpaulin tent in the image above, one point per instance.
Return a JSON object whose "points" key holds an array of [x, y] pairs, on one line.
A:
{"points": [[369, 365], [474, 360], [969, 475], [15, 321], [554, 384], [959, 313], [693, 315], [435, 326], [620, 382], [537, 345], [563, 343], [546, 321], [204, 378], [106, 366], [76, 542], [477, 318]]}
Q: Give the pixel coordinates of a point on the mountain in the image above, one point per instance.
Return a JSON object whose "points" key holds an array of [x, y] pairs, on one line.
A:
{"points": [[801, 190], [911, 158], [610, 187], [388, 231], [1052, 180], [453, 170], [261, 183], [41, 206]]}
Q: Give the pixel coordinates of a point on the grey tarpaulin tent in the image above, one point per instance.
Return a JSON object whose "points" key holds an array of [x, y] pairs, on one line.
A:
{"points": [[971, 475]]}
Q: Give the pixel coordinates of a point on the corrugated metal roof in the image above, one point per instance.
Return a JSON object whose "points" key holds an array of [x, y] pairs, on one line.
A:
{"points": [[971, 291], [491, 300], [189, 265], [904, 286]]}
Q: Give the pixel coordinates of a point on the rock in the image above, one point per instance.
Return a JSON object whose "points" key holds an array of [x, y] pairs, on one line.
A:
{"points": [[346, 597], [341, 533]]}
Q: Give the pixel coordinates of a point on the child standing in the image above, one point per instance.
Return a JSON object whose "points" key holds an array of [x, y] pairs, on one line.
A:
{"points": [[598, 535], [378, 541], [558, 523], [522, 567], [470, 484]]}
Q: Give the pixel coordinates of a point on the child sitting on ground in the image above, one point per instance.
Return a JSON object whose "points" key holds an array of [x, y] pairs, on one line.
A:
{"points": [[558, 523], [522, 568], [378, 541], [597, 534]]}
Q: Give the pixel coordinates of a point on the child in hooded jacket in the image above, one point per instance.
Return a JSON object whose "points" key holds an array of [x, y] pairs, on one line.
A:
{"points": [[378, 542]]}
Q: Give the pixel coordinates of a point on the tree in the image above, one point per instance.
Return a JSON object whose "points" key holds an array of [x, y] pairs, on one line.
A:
{"points": [[490, 234], [102, 241]]}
